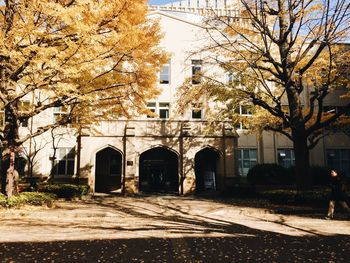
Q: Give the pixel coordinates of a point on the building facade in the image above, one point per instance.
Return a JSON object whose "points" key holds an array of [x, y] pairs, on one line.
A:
{"points": [[169, 152]]}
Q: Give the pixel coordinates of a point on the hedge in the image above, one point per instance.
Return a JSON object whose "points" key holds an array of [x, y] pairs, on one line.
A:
{"points": [[318, 197], [270, 174], [65, 190], [27, 198]]}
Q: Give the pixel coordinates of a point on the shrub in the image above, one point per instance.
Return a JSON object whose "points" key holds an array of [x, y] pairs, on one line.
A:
{"points": [[65, 190], [313, 197], [242, 190], [320, 175], [27, 198], [280, 196], [270, 174]]}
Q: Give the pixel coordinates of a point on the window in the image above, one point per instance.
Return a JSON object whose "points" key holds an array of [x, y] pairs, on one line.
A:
{"points": [[243, 110], [59, 113], [197, 111], [152, 107], [286, 157], [336, 109], [164, 110], [230, 77], [196, 71], [339, 159], [164, 76], [24, 106], [247, 158], [64, 163]]}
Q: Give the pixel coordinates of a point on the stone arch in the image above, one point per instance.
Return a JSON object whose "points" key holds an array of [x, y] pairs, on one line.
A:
{"points": [[108, 169], [205, 166], [161, 146], [159, 170]]}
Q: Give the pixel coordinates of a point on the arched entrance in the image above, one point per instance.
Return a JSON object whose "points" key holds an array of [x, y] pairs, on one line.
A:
{"points": [[205, 169], [108, 170], [159, 171]]}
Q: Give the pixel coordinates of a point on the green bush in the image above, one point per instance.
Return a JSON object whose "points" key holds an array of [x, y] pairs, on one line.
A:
{"points": [[280, 196], [312, 197], [242, 190], [27, 198], [65, 190], [320, 175], [270, 174]]}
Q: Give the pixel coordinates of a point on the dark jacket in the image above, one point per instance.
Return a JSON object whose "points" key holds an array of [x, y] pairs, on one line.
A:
{"points": [[337, 189]]}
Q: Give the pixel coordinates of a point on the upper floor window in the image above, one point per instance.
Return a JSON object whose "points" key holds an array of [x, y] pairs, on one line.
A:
{"points": [[151, 106], [244, 110], [164, 76], [286, 157], [196, 71], [197, 111], [230, 77], [164, 110], [161, 109], [24, 106], [59, 113]]}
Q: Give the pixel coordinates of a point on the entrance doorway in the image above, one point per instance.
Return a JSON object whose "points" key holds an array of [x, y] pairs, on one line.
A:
{"points": [[108, 170], [205, 169], [159, 171]]}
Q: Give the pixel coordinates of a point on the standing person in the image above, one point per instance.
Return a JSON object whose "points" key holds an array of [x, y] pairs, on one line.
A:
{"points": [[337, 194]]}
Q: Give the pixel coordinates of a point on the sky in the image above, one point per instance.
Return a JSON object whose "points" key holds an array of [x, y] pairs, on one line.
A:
{"points": [[160, 2]]}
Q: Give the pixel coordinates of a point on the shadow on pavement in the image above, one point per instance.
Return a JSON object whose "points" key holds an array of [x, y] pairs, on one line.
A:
{"points": [[261, 247], [235, 242]]}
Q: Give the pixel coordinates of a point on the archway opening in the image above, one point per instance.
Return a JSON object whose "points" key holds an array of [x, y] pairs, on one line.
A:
{"points": [[206, 170], [159, 171], [108, 172]]}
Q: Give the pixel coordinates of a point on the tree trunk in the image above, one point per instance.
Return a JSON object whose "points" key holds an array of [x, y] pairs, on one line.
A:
{"points": [[10, 175], [302, 163], [10, 136]]}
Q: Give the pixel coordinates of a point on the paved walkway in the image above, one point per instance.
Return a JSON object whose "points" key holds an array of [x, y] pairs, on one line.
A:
{"points": [[168, 229]]}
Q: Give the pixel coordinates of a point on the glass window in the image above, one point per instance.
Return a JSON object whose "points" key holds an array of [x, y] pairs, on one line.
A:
{"points": [[247, 158], [164, 76], [152, 107], [339, 159], [59, 113], [164, 110], [197, 111], [161, 109], [64, 163], [24, 106], [196, 71], [286, 157]]}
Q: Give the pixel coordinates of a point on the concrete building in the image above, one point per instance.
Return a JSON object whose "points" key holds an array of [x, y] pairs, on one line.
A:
{"points": [[172, 152]]}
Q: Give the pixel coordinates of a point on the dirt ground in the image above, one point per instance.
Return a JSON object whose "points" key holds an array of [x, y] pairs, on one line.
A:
{"points": [[171, 229]]}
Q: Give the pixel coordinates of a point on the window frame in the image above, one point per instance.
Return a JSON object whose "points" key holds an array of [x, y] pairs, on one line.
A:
{"points": [[338, 164], [290, 160], [196, 67], [168, 81], [66, 159], [197, 108], [241, 159]]}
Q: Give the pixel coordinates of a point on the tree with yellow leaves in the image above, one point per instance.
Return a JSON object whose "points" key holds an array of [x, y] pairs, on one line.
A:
{"points": [[285, 58], [94, 58]]}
